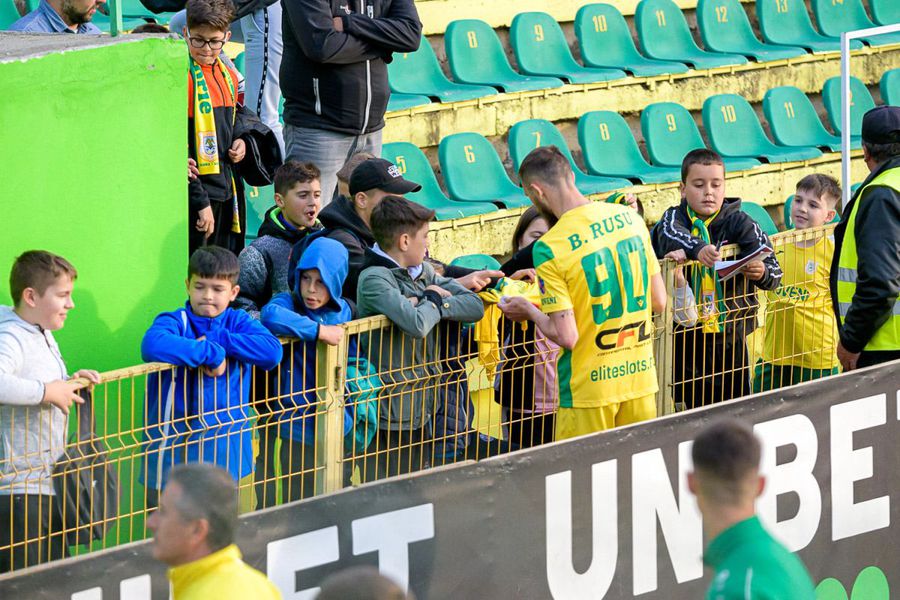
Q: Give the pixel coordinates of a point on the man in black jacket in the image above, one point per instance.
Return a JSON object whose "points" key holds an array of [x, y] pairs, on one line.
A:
{"points": [[865, 272], [334, 76]]}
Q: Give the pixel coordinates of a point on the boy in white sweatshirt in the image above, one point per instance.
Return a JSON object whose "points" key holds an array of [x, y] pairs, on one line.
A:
{"points": [[35, 395]]}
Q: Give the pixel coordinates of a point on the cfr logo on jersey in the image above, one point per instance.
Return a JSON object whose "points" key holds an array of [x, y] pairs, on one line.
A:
{"points": [[637, 332]]}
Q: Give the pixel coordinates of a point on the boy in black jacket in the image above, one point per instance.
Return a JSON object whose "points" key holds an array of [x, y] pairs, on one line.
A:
{"points": [[711, 356]]}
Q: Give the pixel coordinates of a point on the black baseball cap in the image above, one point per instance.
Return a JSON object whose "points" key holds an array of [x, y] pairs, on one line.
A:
{"points": [[881, 125], [380, 174]]}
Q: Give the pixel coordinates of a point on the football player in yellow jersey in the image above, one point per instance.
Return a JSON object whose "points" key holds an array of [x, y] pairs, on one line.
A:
{"points": [[600, 282], [801, 329]]}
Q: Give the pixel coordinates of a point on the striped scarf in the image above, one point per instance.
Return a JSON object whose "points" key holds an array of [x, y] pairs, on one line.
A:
{"points": [[704, 281]]}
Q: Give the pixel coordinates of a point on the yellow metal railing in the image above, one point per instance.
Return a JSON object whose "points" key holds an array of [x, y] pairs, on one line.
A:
{"points": [[380, 403]]}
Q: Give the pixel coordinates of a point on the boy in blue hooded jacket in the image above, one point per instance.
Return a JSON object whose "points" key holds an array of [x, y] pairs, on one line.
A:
{"points": [[197, 412], [312, 311]]}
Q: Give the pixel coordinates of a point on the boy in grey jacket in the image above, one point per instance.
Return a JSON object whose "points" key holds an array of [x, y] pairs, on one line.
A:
{"points": [[398, 283], [35, 396]]}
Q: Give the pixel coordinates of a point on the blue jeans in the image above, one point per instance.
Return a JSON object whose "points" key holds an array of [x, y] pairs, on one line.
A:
{"points": [[328, 150]]}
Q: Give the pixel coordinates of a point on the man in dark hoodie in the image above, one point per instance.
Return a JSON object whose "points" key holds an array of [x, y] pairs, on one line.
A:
{"points": [[264, 263], [334, 76], [711, 357]]}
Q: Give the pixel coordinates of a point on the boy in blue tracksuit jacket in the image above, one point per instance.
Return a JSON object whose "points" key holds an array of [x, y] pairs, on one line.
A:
{"points": [[312, 312], [197, 412]]}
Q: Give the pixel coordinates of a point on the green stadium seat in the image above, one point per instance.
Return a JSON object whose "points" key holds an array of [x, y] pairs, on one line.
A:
{"points": [[404, 101], [128, 23], [890, 87], [734, 131], [30, 5], [419, 73], [609, 148], [605, 41], [787, 22], [240, 63], [786, 211], [9, 14], [259, 200], [760, 215], [670, 132], [473, 172], [414, 165], [885, 12], [541, 48], [861, 102], [837, 16], [476, 261], [476, 56], [664, 34], [525, 136], [794, 121], [724, 27]]}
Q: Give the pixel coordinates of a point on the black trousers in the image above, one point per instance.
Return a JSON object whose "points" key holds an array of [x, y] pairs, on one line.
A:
{"points": [[396, 453], [223, 213], [709, 367], [527, 430], [867, 359], [31, 531]]}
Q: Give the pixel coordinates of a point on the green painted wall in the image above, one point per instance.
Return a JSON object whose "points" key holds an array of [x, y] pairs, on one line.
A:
{"points": [[92, 148]]}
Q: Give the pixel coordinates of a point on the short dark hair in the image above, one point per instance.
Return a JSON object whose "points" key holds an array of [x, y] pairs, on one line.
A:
{"points": [[823, 186], [210, 493], [700, 156], [217, 14], [361, 583], [293, 172], [356, 159], [394, 216], [37, 269], [150, 28], [881, 152], [215, 263], [547, 164], [727, 452]]}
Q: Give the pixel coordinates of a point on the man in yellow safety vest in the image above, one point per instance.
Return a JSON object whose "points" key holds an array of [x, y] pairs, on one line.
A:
{"points": [[865, 272]]}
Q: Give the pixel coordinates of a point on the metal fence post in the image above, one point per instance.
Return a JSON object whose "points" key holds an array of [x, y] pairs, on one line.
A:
{"points": [[330, 379], [664, 344]]}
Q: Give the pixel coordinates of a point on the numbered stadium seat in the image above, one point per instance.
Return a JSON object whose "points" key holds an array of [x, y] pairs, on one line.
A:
{"points": [[734, 131], [890, 87], [794, 121], [724, 27], [9, 14], [670, 132], [761, 216], [664, 34], [610, 149], [419, 73], [837, 16], [541, 48], [473, 172], [525, 136], [414, 165], [885, 12], [605, 41], [861, 102], [403, 101], [787, 22], [476, 56]]}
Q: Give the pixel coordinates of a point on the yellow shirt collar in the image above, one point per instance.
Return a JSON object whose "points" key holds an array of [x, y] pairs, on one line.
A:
{"points": [[183, 576]]}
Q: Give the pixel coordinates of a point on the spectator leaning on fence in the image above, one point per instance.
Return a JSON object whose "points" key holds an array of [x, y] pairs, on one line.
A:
{"points": [[197, 412], [60, 16], [589, 296], [193, 533], [748, 562], [35, 397], [711, 358], [800, 329], [312, 311], [865, 274], [397, 282]]}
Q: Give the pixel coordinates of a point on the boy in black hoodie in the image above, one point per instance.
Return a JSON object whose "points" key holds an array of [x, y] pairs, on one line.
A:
{"points": [[711, 356], [264, 263]]}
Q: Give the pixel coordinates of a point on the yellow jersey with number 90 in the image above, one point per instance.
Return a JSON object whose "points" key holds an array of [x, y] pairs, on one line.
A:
{"points": [[597, 261]]}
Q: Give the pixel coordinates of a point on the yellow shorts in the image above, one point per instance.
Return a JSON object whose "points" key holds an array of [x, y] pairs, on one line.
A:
{"points": [[573, 422]]}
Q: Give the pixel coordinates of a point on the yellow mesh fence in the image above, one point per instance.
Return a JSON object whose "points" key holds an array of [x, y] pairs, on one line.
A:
{"points": [[378, 404]]}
